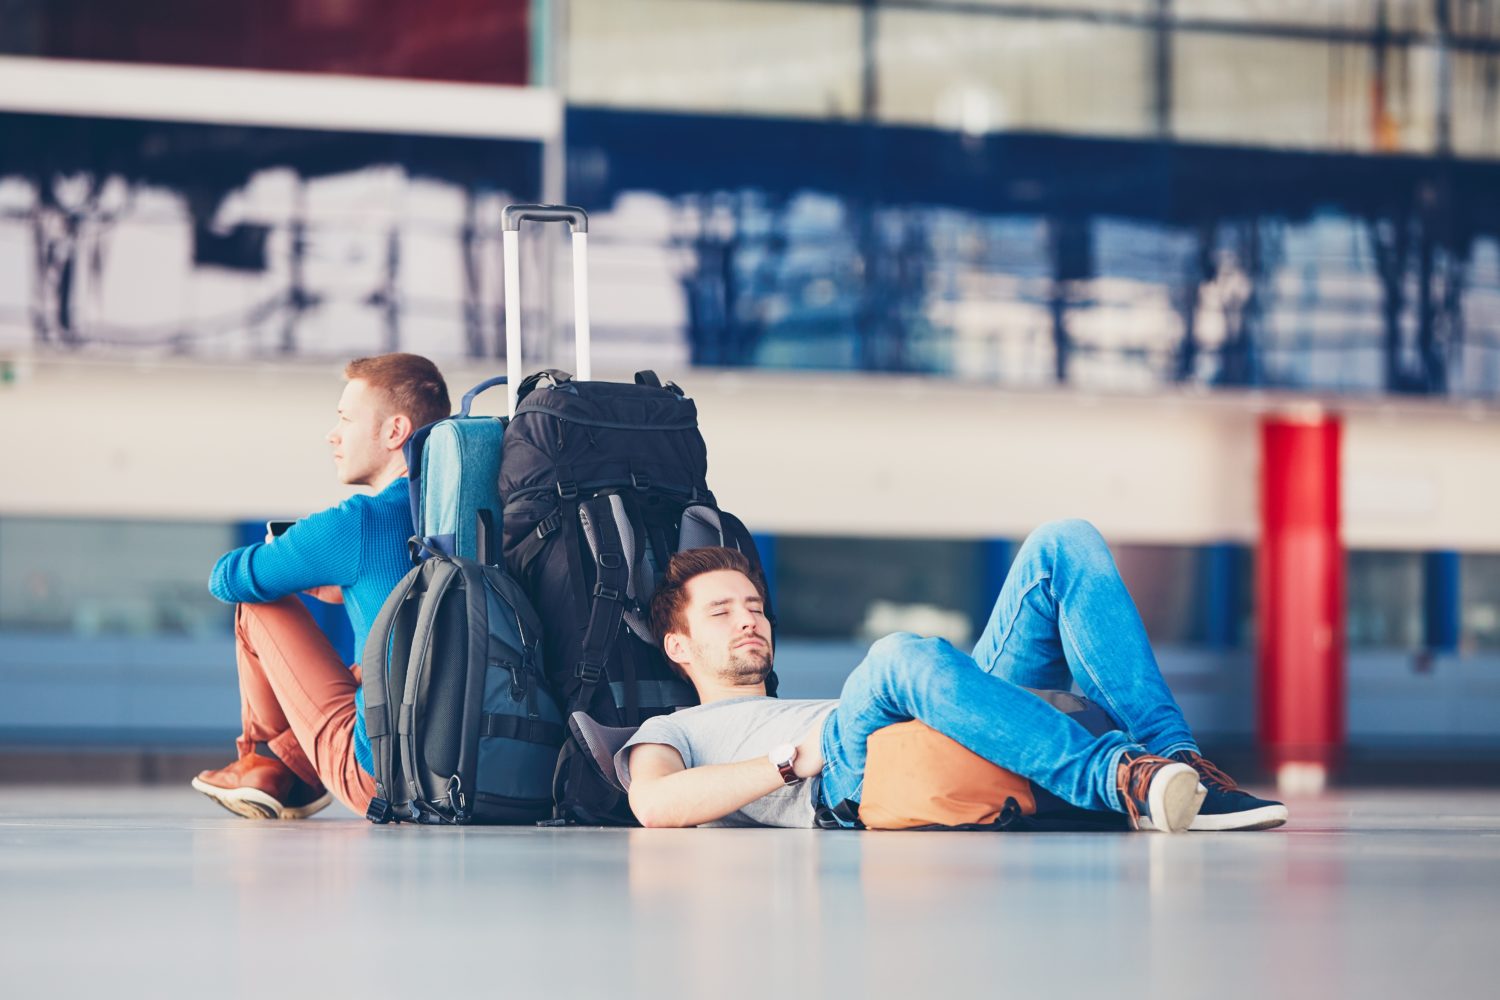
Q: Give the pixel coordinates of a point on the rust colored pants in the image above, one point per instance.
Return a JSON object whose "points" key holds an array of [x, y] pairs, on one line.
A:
{"points": [[298, 698]]}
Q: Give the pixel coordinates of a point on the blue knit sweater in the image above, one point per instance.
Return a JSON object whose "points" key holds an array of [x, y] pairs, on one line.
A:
{"points": [[358, 546]]}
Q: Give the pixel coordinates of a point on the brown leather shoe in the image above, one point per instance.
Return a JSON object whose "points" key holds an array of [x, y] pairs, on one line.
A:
{"points": [[261, 788]]}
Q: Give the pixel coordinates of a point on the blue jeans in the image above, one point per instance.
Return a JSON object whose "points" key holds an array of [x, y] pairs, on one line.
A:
{"points": [[1062, 617]]}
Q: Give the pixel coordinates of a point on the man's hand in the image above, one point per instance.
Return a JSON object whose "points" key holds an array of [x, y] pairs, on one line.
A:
{"points": [[809, 762], [328, 594]]}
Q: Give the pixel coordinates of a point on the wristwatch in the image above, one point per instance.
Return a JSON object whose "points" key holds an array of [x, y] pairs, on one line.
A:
{"points": [[782, 757]]}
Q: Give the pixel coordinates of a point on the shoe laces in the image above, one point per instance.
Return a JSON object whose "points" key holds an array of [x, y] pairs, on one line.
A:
{"points": [[1210, 773], [1134, 783]]}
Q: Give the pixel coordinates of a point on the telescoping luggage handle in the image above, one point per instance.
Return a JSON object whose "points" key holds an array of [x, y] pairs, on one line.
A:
{"points": [[463, 409], [578, 222]]}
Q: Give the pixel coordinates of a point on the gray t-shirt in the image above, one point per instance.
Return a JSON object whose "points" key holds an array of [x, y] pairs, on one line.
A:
{"points": [[727, 732]]}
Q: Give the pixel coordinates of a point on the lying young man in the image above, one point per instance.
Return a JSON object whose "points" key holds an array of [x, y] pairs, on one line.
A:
{"points": [[1063, 616], [296, 696]]}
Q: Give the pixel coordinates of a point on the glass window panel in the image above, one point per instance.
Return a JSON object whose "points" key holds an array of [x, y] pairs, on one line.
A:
{"points": [[1479, 602], [92, 577], [1384, 600], [980, 74], [1476, 104], [720, 55], [1165, 581], [864, 588], [1474, 18], [842, 588], [1320, 13], [1092, 6], [1271, 91], [1248, 570]]}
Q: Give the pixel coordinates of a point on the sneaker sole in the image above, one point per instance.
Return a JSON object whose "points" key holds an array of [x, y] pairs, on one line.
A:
{"points": [[1264, 818], [1175, 796], [251, 803]]}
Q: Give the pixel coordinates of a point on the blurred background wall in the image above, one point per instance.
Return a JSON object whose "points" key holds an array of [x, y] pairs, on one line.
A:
{"points": [[935, 271]]}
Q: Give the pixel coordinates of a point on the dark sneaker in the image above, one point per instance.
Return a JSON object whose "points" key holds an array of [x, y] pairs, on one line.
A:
{"points": [[261, 788], [1158, 793], [1229, 807]]}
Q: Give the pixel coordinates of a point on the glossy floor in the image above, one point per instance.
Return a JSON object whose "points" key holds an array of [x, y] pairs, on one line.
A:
{"points": [[156, 892]]}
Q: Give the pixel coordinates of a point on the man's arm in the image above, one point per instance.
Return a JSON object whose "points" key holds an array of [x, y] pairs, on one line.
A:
{"points": [[320, 550], [665, 793]]}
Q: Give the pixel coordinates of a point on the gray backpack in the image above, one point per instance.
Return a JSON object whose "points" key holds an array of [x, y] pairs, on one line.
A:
{"points": [[461, 724]]}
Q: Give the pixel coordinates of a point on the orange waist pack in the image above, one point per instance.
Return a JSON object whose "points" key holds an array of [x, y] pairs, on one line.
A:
{"points": [[918, 779]]}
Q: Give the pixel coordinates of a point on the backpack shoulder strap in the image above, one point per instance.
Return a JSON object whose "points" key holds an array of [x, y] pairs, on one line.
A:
{"points": [[700, 526], [419, 668], [638, 586], [607, 608], [602, 743], [374, 665]]}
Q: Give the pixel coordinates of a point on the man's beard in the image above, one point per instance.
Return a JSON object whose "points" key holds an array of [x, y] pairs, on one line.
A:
{"points": [[748, 665]]}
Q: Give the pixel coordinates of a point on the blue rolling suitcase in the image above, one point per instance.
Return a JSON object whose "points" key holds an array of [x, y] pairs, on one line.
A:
{"points": [[454, 465]]}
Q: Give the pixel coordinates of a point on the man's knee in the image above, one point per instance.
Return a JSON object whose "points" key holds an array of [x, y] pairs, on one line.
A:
{"points": [[902, 647], [906, 652], [283, 613], [913, 669], [1070, 538]]}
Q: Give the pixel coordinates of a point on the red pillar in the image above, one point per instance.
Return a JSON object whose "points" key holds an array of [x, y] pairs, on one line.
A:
{"points": [[1300, 599]]}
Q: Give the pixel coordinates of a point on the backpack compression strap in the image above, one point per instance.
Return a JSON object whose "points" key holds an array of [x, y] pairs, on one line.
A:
{"points": [[556, 376], [481, 655]]}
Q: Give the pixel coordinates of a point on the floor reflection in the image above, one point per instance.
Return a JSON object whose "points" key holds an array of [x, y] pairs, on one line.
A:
{"points": [[143, 894]]}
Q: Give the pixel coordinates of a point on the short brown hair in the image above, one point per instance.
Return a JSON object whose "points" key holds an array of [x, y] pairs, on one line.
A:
{"points": [[671, 598], [411, 384]]}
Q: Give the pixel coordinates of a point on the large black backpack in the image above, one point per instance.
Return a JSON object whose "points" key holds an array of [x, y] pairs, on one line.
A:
{"points": [[462, 726], [601, 483]]}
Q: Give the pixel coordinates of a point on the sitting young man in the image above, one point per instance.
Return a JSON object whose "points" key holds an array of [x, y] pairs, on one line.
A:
{"points": [[296, 696], [741, 758]]}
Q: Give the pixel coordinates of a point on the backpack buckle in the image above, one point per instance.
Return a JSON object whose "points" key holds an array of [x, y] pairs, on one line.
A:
{"points": [[380, 811], [608, 593], [547, 525], [517, 681], [567, 490], [640, 482], [590, 673]]}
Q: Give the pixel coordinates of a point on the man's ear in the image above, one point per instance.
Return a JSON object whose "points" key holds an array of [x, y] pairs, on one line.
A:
{"points": [[675, 645], [398, 430]]}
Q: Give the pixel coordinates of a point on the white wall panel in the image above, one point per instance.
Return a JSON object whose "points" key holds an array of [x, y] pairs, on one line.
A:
{"points": [[807, 454]]}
